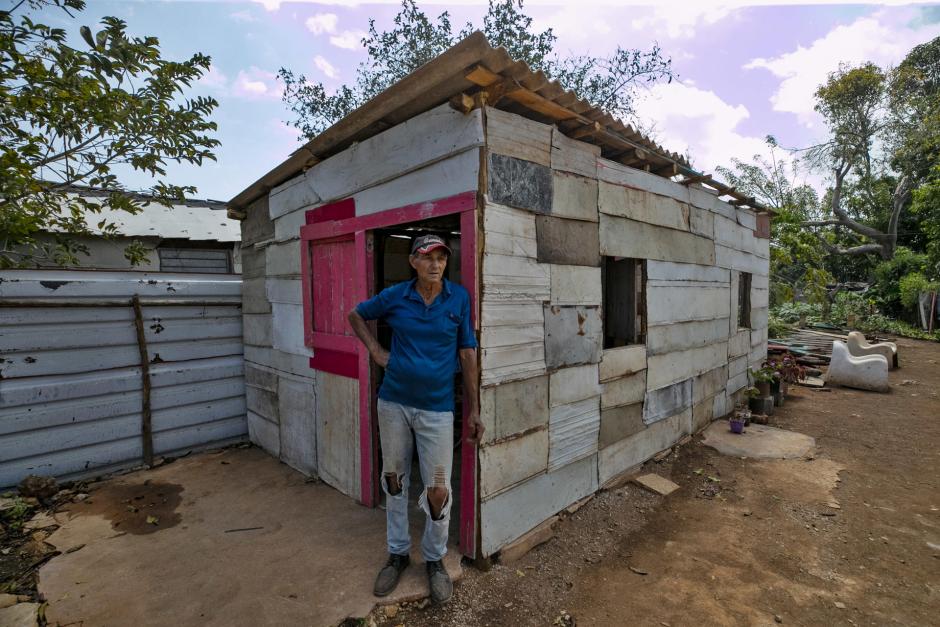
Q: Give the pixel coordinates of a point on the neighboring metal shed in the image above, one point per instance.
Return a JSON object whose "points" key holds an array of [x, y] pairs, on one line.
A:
{"points": [[189, 236], [617, 309], [91, 383]]}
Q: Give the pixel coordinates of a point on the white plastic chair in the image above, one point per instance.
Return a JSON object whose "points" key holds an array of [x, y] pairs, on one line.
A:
{"points": [[865, 373]]}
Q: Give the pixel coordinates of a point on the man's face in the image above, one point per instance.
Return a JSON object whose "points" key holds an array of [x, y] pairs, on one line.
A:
{"points": [[430, 266]]}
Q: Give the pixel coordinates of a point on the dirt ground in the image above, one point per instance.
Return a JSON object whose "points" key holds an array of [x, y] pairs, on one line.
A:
{"points": [[849, 536]]}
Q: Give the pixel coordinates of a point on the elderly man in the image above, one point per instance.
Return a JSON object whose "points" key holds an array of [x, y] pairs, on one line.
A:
{"points": [[431, 330]]}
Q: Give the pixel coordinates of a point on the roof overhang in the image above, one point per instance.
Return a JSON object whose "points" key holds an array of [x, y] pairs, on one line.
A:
{"points": [[471, 74]]}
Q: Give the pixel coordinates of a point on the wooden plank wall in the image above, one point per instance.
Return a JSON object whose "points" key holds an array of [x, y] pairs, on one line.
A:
{"points": [[310, 419], [567, 416]]}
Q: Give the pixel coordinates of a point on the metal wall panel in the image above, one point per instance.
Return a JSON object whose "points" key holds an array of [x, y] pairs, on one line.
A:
{"points": [[70, 377]]}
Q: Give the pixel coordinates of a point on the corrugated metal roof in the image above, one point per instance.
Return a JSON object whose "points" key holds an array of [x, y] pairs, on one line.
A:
{"points": [[203, 220], [472, 65]]}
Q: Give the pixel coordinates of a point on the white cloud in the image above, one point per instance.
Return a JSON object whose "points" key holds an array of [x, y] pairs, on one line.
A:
{"points": [[348, 39], [697, 121], [681, 22], [322, 23], [325, 66], [274, 5], [256, 84], [243, 16], [882, 38], [213, 79]]}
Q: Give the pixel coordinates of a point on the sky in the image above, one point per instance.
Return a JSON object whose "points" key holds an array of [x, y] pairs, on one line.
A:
{"points": [[745, 70]]}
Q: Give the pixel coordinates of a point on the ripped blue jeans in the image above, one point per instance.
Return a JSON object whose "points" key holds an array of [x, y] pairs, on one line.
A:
{"points": [[434, 437]]}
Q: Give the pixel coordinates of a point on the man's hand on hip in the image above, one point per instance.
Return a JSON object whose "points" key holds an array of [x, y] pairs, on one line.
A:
{"points": [[381, 357], [475, 427]]}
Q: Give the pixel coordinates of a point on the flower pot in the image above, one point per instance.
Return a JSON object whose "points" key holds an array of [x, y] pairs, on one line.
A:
{"points": [[763, 387], [784, 387], [775, 386], [778, 398], [737, 425]]}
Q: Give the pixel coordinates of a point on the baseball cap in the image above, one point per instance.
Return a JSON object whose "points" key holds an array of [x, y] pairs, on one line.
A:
{"points": [[426, 243]]}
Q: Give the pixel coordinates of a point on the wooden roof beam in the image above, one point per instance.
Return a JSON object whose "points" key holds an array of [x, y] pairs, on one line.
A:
{"points": [[699, 178]]}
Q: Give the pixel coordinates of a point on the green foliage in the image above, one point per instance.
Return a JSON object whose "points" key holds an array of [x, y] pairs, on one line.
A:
{"points": [[912, 286], [15, 516], [792, 312], [777, 327], [879, 323], [608, 82], [886, 287], [73, 113], [850, 305]]}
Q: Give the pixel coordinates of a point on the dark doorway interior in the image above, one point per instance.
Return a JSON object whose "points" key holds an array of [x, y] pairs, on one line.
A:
{"points": [[391, 250]]}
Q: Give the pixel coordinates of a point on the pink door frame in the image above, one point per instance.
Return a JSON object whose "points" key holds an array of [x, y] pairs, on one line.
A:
{"points": [[345, 355]]}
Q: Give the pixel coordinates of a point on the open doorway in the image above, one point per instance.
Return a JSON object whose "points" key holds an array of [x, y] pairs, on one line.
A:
{"points": [[391, 249]]}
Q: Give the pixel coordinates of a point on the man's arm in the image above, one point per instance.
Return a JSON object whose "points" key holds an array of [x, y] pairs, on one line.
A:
{"points": [[468, 365], [358, 324]]}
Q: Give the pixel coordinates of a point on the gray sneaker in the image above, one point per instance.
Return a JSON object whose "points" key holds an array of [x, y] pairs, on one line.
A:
{"points": [[439, 582], [387, 579]]}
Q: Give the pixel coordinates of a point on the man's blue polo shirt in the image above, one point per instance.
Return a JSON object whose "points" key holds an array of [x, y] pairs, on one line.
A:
{"points": [[425, 339]]}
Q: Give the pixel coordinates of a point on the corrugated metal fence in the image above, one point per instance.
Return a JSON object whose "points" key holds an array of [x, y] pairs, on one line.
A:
{"points": [[72, 386]]}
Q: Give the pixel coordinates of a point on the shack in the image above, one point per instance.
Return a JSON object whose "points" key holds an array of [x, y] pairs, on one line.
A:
{"points": [[619, 295]]}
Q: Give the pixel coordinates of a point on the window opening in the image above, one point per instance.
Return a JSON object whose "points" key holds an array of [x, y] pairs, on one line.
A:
{"points": [[624, 282], [744, 300]]}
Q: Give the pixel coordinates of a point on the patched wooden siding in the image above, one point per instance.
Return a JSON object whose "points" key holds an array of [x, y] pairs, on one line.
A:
{"points": [[70, 380]]}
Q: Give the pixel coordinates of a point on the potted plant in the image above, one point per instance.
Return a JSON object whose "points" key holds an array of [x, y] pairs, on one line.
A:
{"points": [[738, 419], [786, 370], [763, 378]]}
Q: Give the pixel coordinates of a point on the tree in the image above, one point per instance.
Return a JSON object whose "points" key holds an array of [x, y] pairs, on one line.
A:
{"points": [[609, 82], [72, 116], [797, 259]]}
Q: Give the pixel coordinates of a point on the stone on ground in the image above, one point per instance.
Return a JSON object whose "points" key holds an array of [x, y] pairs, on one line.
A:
{"points": [[758, 442], [657, 484], [19, 615]]}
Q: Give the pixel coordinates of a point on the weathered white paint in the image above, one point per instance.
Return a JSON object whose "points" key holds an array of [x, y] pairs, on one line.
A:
{"points": [[622, 237], [279, 290], [638, 448], [668, 271], [257, 329], [574, 197], [573, 431], [509, 231], [707, 385], [71, 389], [572, 335], [624, 391], [517, 279], [729, 233], [287, 321], [337, 429], [510, 461], [283, 259], [663, 370], [642, 206], [667, 401], [510, 514], [512, 408], [422, 140], [705, 301], [287, 227], [702, 222], [511, 335], [622, 361], [510, 363], [739, 260], [515, 136], [294, 195], [747, 218], [453, 175], [739, 344], [278, 360], [571, 155], [264, 434], [575, 285], [570, 385], [619, 174], [298, 426]]}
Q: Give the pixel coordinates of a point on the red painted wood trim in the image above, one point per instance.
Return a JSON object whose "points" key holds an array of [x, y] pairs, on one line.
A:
{"points": [[409, 213], [306, 287], [331, 341], [363, 281], [339, 210], [336, 362], [468, 452]]}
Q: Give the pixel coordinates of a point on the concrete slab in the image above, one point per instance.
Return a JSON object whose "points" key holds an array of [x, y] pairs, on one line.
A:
{"points": [[234, 538], [758, 442], [657, 484]]}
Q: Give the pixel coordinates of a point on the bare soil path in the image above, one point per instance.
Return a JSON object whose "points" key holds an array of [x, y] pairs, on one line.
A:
{"points": [[849, 536]]}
